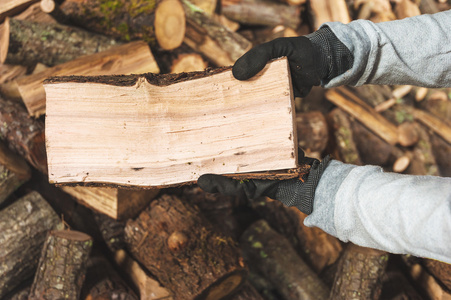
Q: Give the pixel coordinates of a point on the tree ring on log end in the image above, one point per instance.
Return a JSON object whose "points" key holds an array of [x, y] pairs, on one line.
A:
{"points": [[225, 286], [170, 24], [4, 40]]}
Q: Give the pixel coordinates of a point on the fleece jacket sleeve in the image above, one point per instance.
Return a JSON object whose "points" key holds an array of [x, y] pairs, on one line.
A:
{"points": [[413, 51], [402, 214]]}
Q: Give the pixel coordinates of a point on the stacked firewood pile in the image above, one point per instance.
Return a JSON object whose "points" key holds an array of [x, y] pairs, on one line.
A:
{"points": [[181, 243]]}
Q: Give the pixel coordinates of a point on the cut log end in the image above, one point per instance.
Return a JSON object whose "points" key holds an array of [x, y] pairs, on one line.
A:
{"points": [[47, 6], [170, 24], [4, 40], [401, 164]]}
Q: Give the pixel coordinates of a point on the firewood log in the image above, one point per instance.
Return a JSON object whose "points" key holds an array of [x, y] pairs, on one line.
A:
{"points": [[53, 9], [406, 9], [441, 150], [23, 134], [272, 255], [23, 229], [11, 72], [395, 286], [344, 138], [149, 288], [247, 292], [131, 58], [317, 248], [21, 292], [62, 266], [440, 270], [27, 43], [198, 119], [208, 6], [188, 62], [182, 249], [112, 231], [359, 274], [12, 7], [428, 7], [260, 12], [312, 131], [117, 203], [212, 39], [14, 171], [34, 13], [423, 160], [103, 282], [161, 21], [328, 11]]}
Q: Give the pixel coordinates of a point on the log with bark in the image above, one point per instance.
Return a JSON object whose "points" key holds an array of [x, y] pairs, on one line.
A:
{"points": [[62, 266], [23, 230], [161, 130], [22, 134], [272, 255], [262, 12], [212, 39], [323, 11], [130, 58], [359, 274], [247, 292], [182, 249], [161, 21], [103, 282], [313, 133], [423, 161], [117, 203], [14, 171], [317, 248], [27, 43]]}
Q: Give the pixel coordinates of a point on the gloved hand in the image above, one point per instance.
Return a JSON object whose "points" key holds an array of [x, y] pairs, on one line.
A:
{"points": [[292, 192], [313, 59]]}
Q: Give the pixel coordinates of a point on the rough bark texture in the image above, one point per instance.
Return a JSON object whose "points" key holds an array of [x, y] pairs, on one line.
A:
{"points": [[260, 12], [272, 254], [317, 248], [29, 43], [62, 266], [359, 274], [102, 282], [23, 134], [423, 162], [23, 229], [180, 247], [207, 36], [112, 231], [13, 172], [126, 20], [312, 132]]}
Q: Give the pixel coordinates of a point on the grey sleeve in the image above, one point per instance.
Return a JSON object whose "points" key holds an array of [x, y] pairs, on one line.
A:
{"points": [[413, 51], [401, 214]]}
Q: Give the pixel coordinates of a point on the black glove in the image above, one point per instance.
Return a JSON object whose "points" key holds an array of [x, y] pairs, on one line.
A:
{"points": [[292, 192], [315, 57]]}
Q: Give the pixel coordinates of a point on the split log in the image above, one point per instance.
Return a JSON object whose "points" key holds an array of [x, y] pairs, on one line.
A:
{"points": [[27, 43], [14, 171], [212, 39], [344, 139], [359, 274], [317, 248], [440, 270], [131, 58], [11, 72], [406, 9], [188, 62], [12, 7], [272, 254], [148, 287], [161, 21], [261, 12], [356, 107], [34, 13], [62, 266], [312, 132], [180, 247], [119, 204], [328, 11], [198, 119], [23, 134], [439, 127], [103, 282], [23, 229]]}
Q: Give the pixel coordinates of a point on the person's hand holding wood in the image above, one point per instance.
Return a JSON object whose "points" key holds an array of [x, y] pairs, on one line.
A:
{"points": [[298, 192], [314, 59]]}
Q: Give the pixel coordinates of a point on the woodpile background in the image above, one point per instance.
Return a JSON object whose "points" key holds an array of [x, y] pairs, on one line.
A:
{"points": [[181, 243]]}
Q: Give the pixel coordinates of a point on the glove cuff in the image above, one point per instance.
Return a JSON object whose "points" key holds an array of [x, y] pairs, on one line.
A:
{"points": [[333, 57]]}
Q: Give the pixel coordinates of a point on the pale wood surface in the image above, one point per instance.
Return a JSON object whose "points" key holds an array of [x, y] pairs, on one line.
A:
{"points": [[147, 135], [10, 7], [131, 58]]}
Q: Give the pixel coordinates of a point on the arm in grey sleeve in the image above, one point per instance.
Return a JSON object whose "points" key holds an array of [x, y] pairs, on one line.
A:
{"points": [[401, 214], [413, 51]]}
